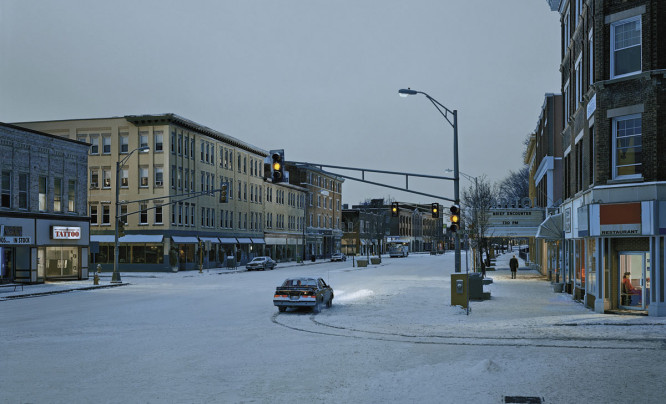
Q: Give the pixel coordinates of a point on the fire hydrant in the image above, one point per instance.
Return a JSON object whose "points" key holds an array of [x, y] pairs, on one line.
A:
{"points": [[96, 277]]}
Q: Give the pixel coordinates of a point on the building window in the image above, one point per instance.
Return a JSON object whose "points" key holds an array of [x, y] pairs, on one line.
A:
{"points": [[159, 176], [106, 144], [124, 178], [159, 139], [590, 157], [173, 176], [565, 96], [57, 194], [94, 178], [186, 142], [143, 139], [143, 216], [124, 143], [579, 80], [180, 178], [626, 47], [180, 144], [93, 214], [143, 177], [123, 214], [192, 214], [590, 54], [23, 190], [106, 214], [192, 148], [42, 193], [173, 142], [6, 189], [106, 178], [94, 144], [71, 196], [202, 150], [158, 215], [566, 32], [627, 147], [231, 159]]}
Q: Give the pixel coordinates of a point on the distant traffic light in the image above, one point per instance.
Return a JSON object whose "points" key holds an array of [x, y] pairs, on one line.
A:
{"points": [[434, 210], [395, 209], [223, 192], [277, 165], [455, 218]]}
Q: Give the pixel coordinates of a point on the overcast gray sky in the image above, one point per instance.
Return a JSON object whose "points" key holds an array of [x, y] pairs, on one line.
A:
{"points": [[319, 78]]}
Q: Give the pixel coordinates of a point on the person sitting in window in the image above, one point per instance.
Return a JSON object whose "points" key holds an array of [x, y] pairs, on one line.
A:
{"points": [[628, 289]]}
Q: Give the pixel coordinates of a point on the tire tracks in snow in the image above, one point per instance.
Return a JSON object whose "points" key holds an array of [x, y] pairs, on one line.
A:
{"points": [[314, 326]]}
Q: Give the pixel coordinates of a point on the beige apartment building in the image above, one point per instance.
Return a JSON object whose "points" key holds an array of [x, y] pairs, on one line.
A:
{"points": [[285, 221], [169, 197]]}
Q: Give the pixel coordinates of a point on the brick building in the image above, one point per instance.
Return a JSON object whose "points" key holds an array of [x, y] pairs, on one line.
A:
{"points": [[44, 225], [614, 139]]}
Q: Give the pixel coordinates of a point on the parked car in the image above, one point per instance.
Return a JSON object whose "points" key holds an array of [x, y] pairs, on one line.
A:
{"points": [[338, 257], [262, 263], [303, 292]]}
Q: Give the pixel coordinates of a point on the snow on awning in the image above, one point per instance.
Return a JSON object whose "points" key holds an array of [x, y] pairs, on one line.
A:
{"points": [[228, 240], [185, 240], [102, 238], [552, 228], [213, 240], [141, 238], [276, 240], [246, 240], [257, 241], [128, 238]]}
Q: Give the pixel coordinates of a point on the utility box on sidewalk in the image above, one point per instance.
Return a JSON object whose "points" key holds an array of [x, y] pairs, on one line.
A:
{"points": [[459, 290]]}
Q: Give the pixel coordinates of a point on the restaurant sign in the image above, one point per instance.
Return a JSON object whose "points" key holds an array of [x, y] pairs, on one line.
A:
{"points": [[620, 219]]}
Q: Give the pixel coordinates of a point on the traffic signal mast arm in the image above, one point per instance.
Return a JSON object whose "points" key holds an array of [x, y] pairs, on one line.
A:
{"points": [[364, 170]]}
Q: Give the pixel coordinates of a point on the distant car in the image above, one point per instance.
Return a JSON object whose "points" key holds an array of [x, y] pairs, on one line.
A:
{"points": [[262, 263], [303, 292], [338, 257]]}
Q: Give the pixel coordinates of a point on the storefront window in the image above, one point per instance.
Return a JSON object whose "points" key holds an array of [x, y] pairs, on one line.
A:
{"points": [[579, 263], [591, 278], [61, 262]]}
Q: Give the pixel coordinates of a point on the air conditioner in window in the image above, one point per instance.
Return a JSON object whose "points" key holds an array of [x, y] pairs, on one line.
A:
{"points": [[158, 183]]}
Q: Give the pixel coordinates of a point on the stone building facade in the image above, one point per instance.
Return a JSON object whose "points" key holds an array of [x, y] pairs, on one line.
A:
{"points": [[44, 226]]}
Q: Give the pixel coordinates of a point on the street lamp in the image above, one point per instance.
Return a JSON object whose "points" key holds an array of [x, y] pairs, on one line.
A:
{"points": [[115, 278], [456, 177]]}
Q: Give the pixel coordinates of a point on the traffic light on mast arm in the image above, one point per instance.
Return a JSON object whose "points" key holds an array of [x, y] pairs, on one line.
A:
{"points": [[395, 209], [434, 210], [223, 192], [277, 165], [455, 218]]}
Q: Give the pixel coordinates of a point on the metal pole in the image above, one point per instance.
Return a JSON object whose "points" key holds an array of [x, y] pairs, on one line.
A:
{"points": [[456, 183], [115, 278]]}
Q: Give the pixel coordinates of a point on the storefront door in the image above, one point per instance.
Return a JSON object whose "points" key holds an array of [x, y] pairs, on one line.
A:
{"points": [[6, 264], [634, 285]]}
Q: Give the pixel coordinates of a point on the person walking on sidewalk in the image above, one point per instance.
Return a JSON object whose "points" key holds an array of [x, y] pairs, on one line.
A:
{"points": [[513, 264]]}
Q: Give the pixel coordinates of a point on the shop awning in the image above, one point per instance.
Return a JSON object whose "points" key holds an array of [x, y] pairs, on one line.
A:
{"points": [[246, 240], [276, 240], [552, 228], [257, 241], [213, 240], [128, 238], [141, 238], [102, 238], [185, 240], [228, 240]]}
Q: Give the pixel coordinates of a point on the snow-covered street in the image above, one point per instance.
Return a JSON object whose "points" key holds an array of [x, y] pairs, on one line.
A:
{"points": [[391, 336]]}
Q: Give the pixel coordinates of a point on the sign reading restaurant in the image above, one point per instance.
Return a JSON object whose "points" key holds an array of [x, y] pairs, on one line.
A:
{"points": [[65, 233], [620, 219]]}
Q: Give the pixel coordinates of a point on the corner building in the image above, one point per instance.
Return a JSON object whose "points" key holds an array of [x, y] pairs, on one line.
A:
{"points": [[614, 139], [173, 218]]}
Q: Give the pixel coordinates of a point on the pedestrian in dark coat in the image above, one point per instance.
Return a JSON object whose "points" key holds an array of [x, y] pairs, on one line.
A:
{"points": [[513, 264]]}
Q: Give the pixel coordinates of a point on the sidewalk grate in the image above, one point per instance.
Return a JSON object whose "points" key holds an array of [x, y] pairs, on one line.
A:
{"points": [[523, 399]]}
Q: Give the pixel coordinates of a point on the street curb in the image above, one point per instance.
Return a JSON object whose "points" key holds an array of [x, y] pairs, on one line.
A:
{"points": [[56, 292]]}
